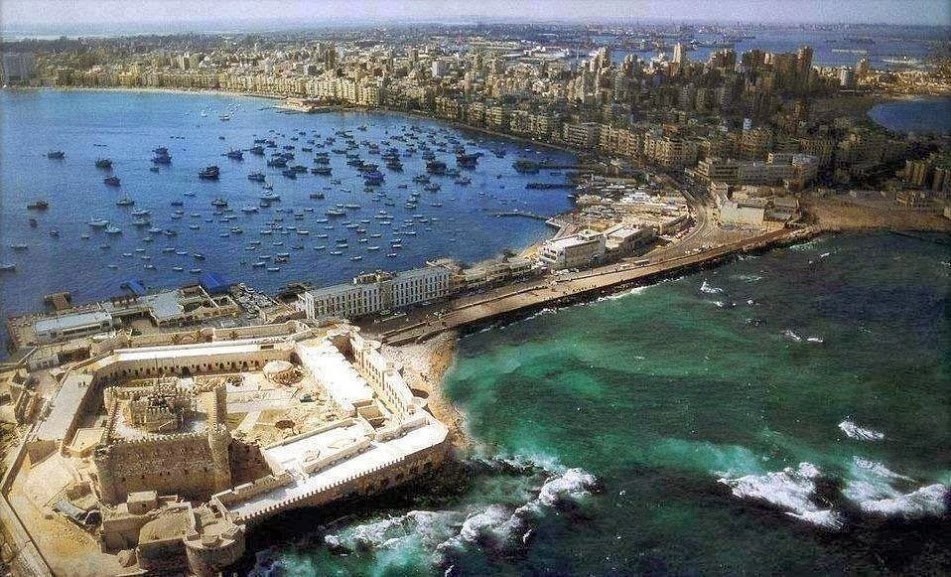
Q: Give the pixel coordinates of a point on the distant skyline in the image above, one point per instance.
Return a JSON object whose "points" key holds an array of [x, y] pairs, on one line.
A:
{"points": [[119, 16]]}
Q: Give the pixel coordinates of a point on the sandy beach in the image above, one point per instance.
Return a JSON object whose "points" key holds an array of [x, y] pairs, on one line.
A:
{"points": [[425, 366]]}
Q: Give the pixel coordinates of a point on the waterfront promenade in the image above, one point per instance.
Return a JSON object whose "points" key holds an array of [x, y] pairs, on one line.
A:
{"points": [[526, 296]]}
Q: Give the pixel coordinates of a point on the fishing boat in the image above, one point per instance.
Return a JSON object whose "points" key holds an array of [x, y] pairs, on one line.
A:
{"points": [[8, 267], [234, 155], [112, 230], [209, 173], [38, 205], [98, 223], [219, 202], [56, 155], [112, 181], [104, 163], [125, 201]]}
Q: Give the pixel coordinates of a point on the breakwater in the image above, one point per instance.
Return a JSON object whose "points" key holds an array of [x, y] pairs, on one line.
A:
{"points": [[522, 298]]}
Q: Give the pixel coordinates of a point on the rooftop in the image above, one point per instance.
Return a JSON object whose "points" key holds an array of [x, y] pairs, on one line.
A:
{"points": [[73, 321]]}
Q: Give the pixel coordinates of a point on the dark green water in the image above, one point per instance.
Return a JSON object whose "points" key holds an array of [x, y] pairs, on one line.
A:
{"points": [[710, 413]]}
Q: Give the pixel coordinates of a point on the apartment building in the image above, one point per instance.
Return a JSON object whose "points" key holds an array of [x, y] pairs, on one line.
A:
{"points": [[375, 292]]}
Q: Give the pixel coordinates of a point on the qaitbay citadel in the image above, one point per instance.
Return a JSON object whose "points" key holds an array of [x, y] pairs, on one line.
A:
{"points": [[175, 446]]}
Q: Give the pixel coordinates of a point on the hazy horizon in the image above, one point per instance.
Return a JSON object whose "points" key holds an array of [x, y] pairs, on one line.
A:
{"points": [[98, 17]]}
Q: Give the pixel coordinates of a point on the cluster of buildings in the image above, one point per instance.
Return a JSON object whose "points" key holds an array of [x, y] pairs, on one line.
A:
{"points": [[669, 111], [154, 454], [928, 181]]}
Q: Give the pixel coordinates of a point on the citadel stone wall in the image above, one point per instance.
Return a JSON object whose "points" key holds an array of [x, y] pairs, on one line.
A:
{"points": [[194, 465]]}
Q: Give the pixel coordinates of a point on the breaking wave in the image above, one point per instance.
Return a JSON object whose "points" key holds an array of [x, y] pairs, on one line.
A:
{"points": [[873, 488], [622, 294], [882, 492], [505, 526], [853, 431], [792, 490]]}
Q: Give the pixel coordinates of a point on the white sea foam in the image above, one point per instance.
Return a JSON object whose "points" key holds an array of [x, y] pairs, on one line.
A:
{"points": [[928, 501], [826, 518], [790, 489], [709, 289], [622, 294], [854, 431], [504, 526], [571, 485], [872, 486], [791, 335]]}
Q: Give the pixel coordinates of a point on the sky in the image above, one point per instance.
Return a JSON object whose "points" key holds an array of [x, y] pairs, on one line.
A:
{"points": [[119, 16]]}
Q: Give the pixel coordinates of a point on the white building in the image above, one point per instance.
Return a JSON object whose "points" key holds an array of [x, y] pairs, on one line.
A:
{"points": [[375, 292], [72, 326], [624, 239], [582, 249]]}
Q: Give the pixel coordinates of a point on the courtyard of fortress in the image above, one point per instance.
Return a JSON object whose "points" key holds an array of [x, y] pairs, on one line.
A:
{"points": [[157, 453]]}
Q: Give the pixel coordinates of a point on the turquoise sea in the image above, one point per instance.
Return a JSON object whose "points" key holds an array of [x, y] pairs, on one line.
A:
{"points": [[784, 414]]}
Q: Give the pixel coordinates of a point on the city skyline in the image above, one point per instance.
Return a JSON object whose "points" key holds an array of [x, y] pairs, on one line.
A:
{"points": [[150, 16]]}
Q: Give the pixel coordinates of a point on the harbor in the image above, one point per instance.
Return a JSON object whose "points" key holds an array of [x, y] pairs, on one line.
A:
{"points": [[360, 217]]}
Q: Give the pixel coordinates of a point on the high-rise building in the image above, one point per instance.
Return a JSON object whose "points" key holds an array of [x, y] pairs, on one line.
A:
{"points": [[804, 61], [680, 54], [861, 68], [846, 77]]}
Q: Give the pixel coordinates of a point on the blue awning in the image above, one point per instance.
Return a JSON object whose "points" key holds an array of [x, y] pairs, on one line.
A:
{"points": [[135, 286]]}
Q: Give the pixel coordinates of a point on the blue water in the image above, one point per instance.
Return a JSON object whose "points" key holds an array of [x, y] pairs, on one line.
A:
{"points": [[927, 115], [129, 125]]}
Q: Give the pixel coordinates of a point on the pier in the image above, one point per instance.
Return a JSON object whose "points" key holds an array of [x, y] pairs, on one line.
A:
{"points": [[519, 298], [522, 213]]}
